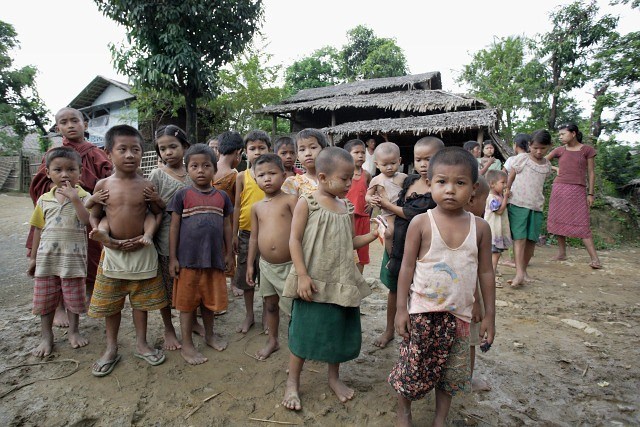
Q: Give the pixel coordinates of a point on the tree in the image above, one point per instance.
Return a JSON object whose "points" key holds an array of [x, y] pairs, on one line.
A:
{"points": [[387, 60], [320, 69], [21, 109], [179, 45], [367, 56]]}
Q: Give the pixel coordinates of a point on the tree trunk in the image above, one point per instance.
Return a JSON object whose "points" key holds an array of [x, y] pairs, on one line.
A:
{"points": [[596, 114], [555, 94], [191, 111]]}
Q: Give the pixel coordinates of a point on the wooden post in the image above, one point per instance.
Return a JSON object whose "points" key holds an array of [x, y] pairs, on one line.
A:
{"points": [[20, 172], [480, 138], [333, 123], [274, 125]]}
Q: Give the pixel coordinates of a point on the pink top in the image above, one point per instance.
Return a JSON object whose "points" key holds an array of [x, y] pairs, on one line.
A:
{"points": [[573, 164], [526, 190], [445, 278]]}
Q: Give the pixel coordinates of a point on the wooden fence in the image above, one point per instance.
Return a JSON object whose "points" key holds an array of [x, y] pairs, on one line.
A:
{"points": [[16, 171]]}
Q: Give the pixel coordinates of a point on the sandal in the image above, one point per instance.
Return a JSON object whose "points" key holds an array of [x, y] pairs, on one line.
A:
{"points": [[99, 372], [153, 358], [595, 265]]}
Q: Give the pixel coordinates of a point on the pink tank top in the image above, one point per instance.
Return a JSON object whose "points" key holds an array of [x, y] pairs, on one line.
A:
{"points": [[445, 278]]}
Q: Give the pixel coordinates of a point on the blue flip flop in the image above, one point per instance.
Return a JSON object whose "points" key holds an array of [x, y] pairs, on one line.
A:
{"points": [[112, 364]]}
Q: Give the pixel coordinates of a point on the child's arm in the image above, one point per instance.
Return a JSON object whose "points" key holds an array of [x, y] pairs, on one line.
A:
{"points": [[371, 197], [510, 179], [99, 197], [405, 277], [476, 313], [505, 202], [486, 164], [72, 194], [487, 280], [152, 197], [253, 247], [392, 207], [306, 287], [97, 209], [592, 180], [230, 259], [236, 211], [174, 240], [37, 232], [363, 239]]}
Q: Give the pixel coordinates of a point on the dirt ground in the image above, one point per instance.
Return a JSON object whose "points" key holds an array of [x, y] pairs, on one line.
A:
{"points": [[543, 370]]}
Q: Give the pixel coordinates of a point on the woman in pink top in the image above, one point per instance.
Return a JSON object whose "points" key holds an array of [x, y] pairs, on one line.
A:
{"points": [[569, 205]]}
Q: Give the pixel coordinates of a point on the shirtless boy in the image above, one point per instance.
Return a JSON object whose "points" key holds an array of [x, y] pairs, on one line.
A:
{"points": [[270, 230], [127, 266]]}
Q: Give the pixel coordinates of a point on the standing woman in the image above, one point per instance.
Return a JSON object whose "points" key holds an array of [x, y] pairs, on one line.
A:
{"points": [[573, 192]]}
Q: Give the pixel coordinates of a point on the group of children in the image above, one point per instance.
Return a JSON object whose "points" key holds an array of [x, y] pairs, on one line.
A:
{"points": [[302, 236]]}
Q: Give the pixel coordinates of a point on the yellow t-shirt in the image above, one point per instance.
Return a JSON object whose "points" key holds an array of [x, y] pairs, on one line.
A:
{"points": [[251, 194]]}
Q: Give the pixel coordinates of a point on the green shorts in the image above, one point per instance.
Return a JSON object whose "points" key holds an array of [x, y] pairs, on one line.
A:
{"points": [[386, 277], [525, 223]]}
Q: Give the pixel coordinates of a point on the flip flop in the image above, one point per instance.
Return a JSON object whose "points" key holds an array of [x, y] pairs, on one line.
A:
{"points": [[112, 364], [150, 358], [595, 265]]}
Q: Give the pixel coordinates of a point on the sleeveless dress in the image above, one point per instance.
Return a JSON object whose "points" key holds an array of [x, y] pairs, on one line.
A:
{"points": [[327, 329]]}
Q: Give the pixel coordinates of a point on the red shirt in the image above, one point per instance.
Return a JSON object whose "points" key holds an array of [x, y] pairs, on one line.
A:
{"points": [[573, 164], [356, 194]]}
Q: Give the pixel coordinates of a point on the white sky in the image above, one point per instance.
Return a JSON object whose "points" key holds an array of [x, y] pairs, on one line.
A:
{"points": [[67, 40]]}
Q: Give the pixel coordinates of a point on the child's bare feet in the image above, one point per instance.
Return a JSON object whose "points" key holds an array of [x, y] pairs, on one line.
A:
{"points": [[100, 236], [341, 390], [246, 324], [478, 384], [265, 352], [403, 419], [291, 397], [147, 240], [45, 347], [76, 340], [171, 341], [559, 257], [516, 281], [385, 338], [60, 319], [236, 292], [507, 263], [197, 328], [192, 356], [216, 342]]}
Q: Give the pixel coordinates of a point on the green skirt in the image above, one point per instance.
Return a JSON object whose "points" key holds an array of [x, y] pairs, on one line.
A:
{"points": [[325, 332], [386, 277]]}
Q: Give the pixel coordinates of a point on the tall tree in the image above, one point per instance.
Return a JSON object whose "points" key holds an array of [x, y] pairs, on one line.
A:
{"points": [[179, 45], [367, 56], [21, 109], [319, 69]]}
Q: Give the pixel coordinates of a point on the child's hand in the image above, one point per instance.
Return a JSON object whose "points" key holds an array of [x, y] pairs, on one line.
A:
{"points": [[306, 288], [234, 244], [250, 273], [476, 312], [31, 270], [488, 329], [229, 262], [151, 195], [100, 197], [402, 323], [507, 193], [174, 267], [67, 191]]}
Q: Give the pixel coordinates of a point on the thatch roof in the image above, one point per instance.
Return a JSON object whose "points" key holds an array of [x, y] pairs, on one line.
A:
{"points": [[433, 124], [429, 80], [419, 101]]}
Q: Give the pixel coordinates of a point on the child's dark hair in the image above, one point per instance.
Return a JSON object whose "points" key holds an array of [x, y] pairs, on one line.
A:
{"points": [[470, 145], [63, 153], [493, 175], [352, 143], [330, 157], [269, 158], [572, 127], [522, 141], [453, 156], [542, 137], [229, 141], [283, 141], [201, 149], [174, 131], [257, 135], [120, 130], [489, 142], [312, 133]]}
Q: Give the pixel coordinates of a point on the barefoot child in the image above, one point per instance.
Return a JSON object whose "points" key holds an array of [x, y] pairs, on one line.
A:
{"points": [[309, 143], [436, 287], [286, 149], [357, 194], [325, 319], [248, 193], [128, 267], [200, 250], [496, 216], [413, 199], [270, 230], [525, 186], [386, 185], [58, 259]]}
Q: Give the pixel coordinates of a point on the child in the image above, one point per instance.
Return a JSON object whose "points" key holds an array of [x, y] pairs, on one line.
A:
{"points": [[170, 144], [520, 145], [386, 185], [436, 287], [488, 151], [200, 250], [370, 159], [413, 199], [102, 232], [309, 143], [130, 267], [325, 318], [95, 165], [525, 186], [286, 149], [475, 148], [496, 205], [270, 230], [58, 260], [248, 193], [214, 143], [356, 195], [230, 148]]}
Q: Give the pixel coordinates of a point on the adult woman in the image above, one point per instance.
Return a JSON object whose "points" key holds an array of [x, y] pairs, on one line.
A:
{"points": [[572, 196]]}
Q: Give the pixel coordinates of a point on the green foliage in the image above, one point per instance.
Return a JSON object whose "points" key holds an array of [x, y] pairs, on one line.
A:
{"points": [[178, 46], [319, 69], [21, 109], [618, 163], [387, 60]]}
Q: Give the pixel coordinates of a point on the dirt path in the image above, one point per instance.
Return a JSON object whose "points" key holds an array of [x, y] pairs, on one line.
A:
{"points": [[543, 371]]}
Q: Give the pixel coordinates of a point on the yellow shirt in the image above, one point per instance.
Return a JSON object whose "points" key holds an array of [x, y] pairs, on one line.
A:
{"points": [[250, 194]]}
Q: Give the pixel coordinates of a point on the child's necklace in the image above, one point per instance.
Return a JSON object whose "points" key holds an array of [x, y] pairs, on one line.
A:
{"points": [[176, 173]]}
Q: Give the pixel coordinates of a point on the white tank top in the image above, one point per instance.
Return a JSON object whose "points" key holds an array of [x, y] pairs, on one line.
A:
{"points": [[445, 278]]}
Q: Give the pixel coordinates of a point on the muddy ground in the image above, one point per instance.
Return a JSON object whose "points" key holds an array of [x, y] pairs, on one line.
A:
{"points": [[543, 371]]}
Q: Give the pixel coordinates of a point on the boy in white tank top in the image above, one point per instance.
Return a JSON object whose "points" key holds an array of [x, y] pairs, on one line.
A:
{"points": [[446, 251]]}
